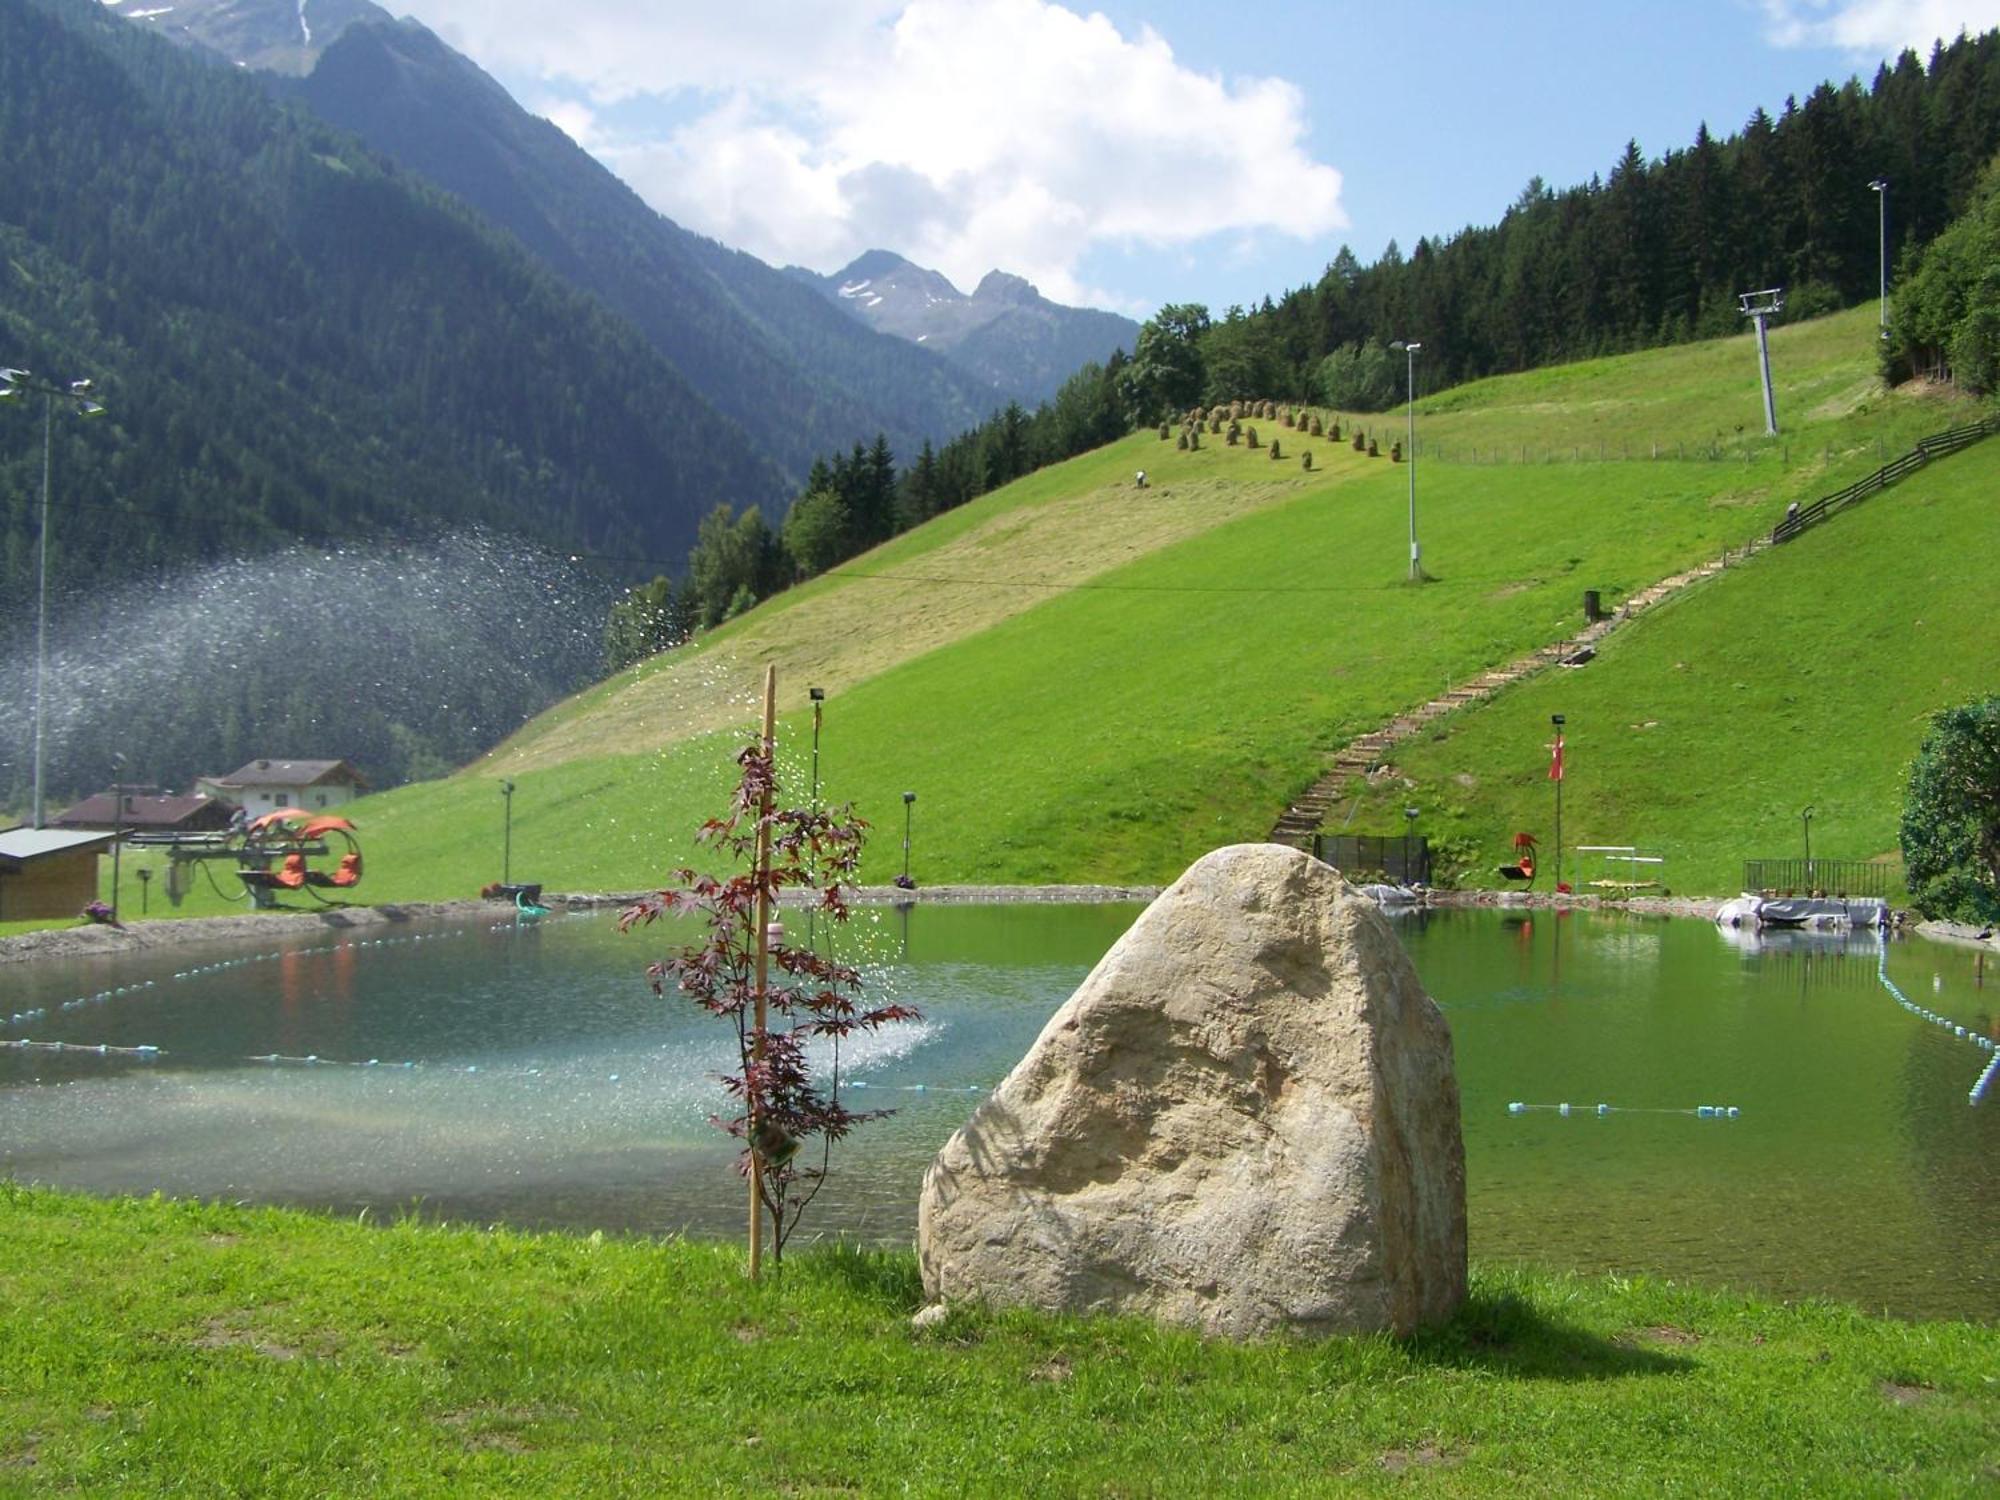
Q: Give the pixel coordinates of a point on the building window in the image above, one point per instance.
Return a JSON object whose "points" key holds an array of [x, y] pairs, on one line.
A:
{"points": [[281, 799], [319, 799]]}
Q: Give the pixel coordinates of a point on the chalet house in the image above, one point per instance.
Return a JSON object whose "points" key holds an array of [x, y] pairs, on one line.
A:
{"points": [[267, 785], [147, 809], [48, 872]]}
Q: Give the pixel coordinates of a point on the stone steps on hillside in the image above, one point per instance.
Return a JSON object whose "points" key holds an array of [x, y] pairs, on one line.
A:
{"points": [[1307, 814]]}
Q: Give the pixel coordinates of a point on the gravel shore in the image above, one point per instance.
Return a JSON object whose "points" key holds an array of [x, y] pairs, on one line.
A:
{"points": [[95, 939], [261, 927]]}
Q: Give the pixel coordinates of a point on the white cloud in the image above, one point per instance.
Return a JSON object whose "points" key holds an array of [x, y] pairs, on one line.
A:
{"points": [[1877, 28], [965, 134]]}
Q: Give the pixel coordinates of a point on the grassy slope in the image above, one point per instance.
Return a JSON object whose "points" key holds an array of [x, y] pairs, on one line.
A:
{"points": [[1086, 681], [1703, 730], [160, 1346]]}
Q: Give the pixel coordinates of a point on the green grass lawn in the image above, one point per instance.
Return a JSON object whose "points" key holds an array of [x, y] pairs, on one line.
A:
{"points": [[1085, 681], [1702, 730], [157, 1347]]}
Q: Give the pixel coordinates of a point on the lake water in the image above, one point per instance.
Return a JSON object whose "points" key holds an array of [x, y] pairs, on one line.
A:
{"points": [[525, 1074]]}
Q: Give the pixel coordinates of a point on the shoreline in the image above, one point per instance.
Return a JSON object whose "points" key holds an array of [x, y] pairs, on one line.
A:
{"points": [[94, 941]]}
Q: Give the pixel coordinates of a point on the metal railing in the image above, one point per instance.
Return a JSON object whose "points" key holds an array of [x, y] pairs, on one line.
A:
{"points": [[1836, 877], [1935, 446], [1402, 860]]}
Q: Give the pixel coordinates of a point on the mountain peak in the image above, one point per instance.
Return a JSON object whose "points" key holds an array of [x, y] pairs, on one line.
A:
{"points": [[1006, 334], [999, 286], [276, 36], [871, 265]]}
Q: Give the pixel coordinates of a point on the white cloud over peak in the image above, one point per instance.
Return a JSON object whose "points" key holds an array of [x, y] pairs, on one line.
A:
{"points": [[1877, 27], [964, 134]]}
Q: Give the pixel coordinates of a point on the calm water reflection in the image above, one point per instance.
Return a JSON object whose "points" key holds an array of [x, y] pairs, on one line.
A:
{"points": [[546, 1086]]}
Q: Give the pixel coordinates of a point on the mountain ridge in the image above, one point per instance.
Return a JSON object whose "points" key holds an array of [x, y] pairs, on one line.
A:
{"points": [[1006, 333]]}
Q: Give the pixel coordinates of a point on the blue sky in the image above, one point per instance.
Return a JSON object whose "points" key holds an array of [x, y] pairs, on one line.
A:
{"points": [[1130, 154]]}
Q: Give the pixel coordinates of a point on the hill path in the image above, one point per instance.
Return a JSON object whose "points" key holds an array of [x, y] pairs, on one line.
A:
{"points": [[1306, 816]]}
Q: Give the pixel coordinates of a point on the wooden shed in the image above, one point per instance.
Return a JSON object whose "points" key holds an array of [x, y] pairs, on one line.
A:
{"points": [[48, 872]]}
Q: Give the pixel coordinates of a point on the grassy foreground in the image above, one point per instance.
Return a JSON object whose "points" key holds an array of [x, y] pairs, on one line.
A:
{"points": [[156, 1346]]}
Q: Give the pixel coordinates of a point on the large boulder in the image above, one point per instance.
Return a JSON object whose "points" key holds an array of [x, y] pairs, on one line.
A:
{"points": [[1244, 1121]]}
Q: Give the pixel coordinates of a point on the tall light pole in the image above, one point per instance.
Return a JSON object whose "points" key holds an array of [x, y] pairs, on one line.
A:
{"points": [[507, 834], [1409, 827], [15, 384], [117, 823], [1881, 189], [1805, 822], [1410, 445], [818, 696], [1557, 772], [909, 804]]}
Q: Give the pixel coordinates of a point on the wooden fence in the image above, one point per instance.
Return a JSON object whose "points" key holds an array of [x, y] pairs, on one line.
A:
{"points": [[1936, 446]]}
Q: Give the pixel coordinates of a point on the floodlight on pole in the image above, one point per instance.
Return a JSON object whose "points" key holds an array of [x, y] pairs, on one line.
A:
{"points": [[117, 823], [507, 835], [1559, 772], [1880, 187], [1410, 349], [14, 384], [818, 696], [1760, 308]]}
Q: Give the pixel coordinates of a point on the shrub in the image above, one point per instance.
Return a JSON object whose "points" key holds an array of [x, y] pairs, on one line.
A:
{"points": [[806, 996], [1951, 815]]}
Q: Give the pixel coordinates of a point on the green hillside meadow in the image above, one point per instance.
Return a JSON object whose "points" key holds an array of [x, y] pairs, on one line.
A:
{"points": [[1087, 681]]}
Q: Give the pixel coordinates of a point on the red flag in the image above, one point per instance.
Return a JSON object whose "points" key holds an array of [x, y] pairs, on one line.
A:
{"points": [[1556, 758]]}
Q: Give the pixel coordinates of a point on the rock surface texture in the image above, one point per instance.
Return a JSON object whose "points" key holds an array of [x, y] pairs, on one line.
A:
{"points": [[1245, 1121]]}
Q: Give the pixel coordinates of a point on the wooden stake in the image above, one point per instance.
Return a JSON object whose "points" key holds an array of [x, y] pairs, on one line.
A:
{"points": [[763, 966]]}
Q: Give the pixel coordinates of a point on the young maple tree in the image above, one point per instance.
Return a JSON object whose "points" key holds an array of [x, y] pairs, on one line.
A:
{"points": [[807, 995]]}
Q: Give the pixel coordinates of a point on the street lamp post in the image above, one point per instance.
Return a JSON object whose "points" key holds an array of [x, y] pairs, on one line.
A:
{"points": [[1409, 827], [818, 696], [909, 802], [15, 384], [507, 835], [1805, 822], [1410, 445], [1560, 772], [117, 824], [1881, 189]]}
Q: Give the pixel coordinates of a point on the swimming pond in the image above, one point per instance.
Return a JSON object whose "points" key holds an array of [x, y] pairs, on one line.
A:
{"points": [[525, 1074]]}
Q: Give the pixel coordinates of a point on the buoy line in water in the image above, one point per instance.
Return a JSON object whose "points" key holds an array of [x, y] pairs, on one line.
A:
{"points": [[1697, 1111], [1943, 1023]]}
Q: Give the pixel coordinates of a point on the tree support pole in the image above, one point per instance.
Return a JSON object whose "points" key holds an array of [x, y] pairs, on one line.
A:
{"points": [[769, 743]]}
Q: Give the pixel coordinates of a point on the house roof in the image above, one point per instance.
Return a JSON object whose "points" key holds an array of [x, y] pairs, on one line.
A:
{"points": [[142, 810], [19, 845], [292, 773]]}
